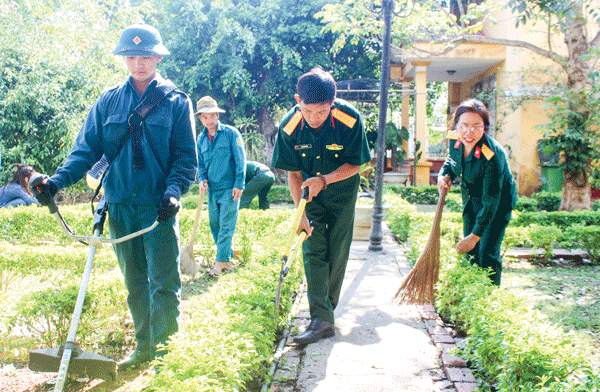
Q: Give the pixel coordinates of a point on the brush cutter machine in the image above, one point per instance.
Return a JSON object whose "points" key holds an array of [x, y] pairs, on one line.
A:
{"points": [[293, 246], [69, 357]]}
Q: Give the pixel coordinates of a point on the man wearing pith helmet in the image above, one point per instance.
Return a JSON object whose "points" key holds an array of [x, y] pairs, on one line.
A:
{"points": [[221, 171], [145, 129], [321, 143]]}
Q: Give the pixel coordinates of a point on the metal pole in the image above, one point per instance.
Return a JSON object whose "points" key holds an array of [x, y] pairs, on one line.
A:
{"points": [[376, 235]]}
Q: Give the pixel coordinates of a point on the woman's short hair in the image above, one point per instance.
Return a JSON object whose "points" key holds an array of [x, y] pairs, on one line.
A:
{"points": [[473, 106], [316, 86]]}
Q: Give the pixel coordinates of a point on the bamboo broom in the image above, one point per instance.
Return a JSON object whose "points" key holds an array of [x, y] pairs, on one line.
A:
{"points": [[419, 286], [188, 261]]}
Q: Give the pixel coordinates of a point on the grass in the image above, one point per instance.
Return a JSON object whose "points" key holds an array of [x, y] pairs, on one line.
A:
{"points": [[568, 295]]}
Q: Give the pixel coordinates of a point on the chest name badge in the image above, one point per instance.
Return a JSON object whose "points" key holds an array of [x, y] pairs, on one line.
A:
{"points": [[334, 147], [451, 161], [302, 146], [477, 152]]}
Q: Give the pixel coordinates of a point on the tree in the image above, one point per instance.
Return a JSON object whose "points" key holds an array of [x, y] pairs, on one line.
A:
{"points": [[54, 62], [573, 106], [248, 54]]}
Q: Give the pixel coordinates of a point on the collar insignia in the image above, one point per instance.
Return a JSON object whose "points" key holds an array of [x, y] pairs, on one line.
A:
{"points": [[457, 144], [477, 152]]}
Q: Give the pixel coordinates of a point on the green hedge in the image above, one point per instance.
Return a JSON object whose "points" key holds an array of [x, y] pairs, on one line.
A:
{"points": [[511, 346], [561, 219], [278, 194], [424, 194], [227, 342]]}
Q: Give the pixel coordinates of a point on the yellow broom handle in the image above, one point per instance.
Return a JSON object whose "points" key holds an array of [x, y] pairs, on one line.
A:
{"points": [[297, 219]]}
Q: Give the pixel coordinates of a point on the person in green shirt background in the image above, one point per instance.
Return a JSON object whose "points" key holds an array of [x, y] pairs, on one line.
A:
{"points": [[321, 143], [259, 179], [488, 190]]}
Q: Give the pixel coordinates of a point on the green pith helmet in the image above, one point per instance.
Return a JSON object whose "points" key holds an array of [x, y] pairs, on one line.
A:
{"points": [[140, 40]]}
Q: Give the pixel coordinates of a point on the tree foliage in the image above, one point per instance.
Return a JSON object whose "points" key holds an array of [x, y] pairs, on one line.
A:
{"points": [[54, 62], [248, 54], [574, 102]]}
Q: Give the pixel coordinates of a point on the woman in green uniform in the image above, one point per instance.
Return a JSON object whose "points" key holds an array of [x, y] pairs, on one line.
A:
{"points": [[488, 190]]}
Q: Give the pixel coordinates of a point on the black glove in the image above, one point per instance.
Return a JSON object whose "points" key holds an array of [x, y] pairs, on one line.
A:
{"points": [[169, 206], [45, 191]]}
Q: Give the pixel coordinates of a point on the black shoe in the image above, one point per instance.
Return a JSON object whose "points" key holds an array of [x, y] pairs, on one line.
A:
{"points": [[317, 330], [137, 359]]}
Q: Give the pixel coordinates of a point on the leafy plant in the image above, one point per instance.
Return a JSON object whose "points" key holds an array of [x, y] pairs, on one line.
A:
{"points": [[586, 237], [545, 237]]}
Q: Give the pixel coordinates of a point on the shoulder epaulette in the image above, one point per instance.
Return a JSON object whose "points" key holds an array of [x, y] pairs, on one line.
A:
{"points": [[487, 152], [452, 135], [293, 123], [344, 118]]}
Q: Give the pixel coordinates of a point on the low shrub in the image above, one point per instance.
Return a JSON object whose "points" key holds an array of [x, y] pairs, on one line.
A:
{"points": [[46, 314], [515, 237], [544, 237], [547, 201], [511, 346], [560, 219], [584, 237], [227, 342], [427, 194], [526, 204]]}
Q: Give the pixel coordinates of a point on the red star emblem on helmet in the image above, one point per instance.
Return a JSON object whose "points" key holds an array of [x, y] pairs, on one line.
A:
{"points": [[137, 40]]}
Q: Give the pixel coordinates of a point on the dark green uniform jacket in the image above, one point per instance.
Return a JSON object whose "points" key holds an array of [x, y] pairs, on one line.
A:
{"points": [[300, 148], [489, 195]]}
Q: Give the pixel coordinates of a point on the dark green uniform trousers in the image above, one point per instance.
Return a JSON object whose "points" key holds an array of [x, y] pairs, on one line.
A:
{"points": [[259, 185], [326, 251], [486, 253]]}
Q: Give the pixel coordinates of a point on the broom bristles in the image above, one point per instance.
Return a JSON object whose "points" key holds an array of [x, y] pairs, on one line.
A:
{"points": [[188, 262], [418, 287]]}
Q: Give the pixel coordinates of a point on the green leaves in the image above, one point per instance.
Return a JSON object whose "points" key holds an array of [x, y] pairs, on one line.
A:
{"points": [[54, 62]]}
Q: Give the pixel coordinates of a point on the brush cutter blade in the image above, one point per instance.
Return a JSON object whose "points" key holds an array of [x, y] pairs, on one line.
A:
{"points": [[84, 363]]}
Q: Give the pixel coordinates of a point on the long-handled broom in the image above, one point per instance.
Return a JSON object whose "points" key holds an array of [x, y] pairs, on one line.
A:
{"points": [[188, 262], [418, 287]]}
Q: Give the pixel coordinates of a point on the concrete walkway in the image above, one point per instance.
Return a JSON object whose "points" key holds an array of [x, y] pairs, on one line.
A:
{"points": [[378, 346]]}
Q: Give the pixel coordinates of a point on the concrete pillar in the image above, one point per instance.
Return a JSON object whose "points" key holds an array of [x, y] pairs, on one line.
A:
{"points": [[405, 122], [423, 167]]}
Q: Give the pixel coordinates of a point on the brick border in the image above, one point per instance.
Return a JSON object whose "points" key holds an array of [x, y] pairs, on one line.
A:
{"points": [[455, 368]]}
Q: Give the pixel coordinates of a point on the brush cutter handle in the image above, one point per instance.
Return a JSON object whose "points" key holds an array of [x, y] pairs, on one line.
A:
{"points": [[37, 184], [98, 241]]}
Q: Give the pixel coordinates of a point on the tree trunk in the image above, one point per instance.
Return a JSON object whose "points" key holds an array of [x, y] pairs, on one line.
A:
{"points": [[266, 126], [576, 193]]}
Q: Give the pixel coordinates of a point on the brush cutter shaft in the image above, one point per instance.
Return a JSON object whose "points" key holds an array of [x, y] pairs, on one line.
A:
{"points": [[98, 240], [85, 280]]}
